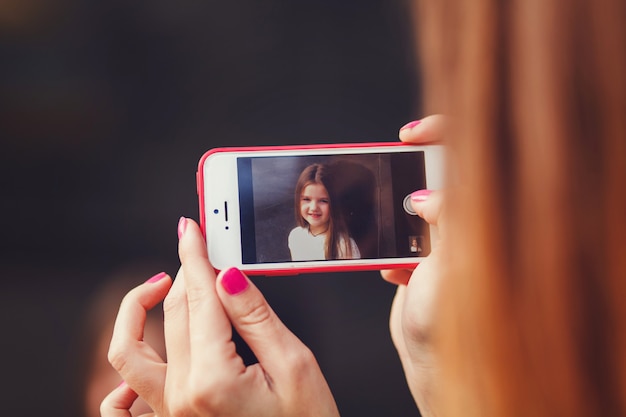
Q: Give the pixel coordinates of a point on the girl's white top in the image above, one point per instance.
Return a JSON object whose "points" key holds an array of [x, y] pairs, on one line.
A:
{"points": [[306, 247]]}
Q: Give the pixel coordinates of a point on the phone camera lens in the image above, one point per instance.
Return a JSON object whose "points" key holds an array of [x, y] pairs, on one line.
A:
{"points": [[216, 211]]}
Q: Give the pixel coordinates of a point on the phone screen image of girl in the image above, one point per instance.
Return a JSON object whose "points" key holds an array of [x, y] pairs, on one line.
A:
{"points": [[321, 232], [366, 219]]}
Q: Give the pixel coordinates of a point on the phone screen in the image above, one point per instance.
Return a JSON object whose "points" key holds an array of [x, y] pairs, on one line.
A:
{"points": [[366, 213]]}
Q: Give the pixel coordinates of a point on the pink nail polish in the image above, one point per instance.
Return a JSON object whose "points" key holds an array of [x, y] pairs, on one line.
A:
{"points": [[411, 125], [121, 384], [156, 278], [234, 281], [420, 195], [182, 225]]}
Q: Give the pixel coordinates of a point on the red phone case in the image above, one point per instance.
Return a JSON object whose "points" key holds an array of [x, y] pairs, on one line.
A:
{"points": [[303, 268]]}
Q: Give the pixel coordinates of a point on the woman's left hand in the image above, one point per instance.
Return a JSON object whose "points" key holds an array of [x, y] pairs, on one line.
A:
{"points": [[204, 375]]}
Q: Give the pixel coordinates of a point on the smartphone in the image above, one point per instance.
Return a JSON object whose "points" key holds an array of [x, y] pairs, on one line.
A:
{"points": [[286, 210]]}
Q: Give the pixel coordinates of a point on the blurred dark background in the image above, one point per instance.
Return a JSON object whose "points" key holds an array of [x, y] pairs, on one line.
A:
{"points": [[105, 110]]}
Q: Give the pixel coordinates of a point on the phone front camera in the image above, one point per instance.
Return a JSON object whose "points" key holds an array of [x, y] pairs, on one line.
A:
{"points": [[216, 211], [226, 228]]}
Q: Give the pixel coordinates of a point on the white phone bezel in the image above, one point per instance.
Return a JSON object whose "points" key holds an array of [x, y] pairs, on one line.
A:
{"points": [[220, 183]]}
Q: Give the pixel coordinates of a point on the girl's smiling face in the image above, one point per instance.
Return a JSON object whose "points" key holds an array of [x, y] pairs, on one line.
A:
{"points": [[315, 207]]}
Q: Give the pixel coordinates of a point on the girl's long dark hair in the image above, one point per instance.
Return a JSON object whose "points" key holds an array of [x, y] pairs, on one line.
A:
{"points": [[337, 231]]}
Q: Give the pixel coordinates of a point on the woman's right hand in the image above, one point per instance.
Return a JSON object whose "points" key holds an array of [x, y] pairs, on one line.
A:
{"points": [[204, 375], [413, 307]]}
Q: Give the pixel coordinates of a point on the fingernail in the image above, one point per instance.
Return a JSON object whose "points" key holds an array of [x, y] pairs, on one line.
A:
{"points": [[122, 384], [234, 281], [420, 195], [411, 125], [156, 278], [182, 225]]}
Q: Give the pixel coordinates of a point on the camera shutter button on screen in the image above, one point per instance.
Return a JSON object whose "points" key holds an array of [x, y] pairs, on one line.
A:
{"points": [[407, 205]]}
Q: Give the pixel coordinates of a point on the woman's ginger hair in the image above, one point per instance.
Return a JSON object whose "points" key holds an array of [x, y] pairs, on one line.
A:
{"points": [[532, 318]]}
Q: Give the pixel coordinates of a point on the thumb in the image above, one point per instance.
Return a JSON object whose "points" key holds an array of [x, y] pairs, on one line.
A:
{"points": [[428, 205], [430, 129], [255, 321]]}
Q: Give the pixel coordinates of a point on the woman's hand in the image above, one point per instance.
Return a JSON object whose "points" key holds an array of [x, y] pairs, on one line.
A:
{"points": [[204, 375], [413, 306]]}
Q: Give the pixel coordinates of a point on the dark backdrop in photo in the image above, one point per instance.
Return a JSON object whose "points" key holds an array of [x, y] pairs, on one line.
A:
{"points": [[363, 199]]}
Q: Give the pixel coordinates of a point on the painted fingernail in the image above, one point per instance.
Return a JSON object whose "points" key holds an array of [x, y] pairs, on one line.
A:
{"points": [[411, 125], [420, 195], [157, 277], [234, 281], [182, 225], [122, 384]]}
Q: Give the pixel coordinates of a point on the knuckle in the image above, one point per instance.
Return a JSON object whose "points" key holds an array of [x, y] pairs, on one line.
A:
{"points": [[255, 313], [178, 407], [128, 299], [196, 297], [172, 304], [200, 386], [118, 358], [209, 394], [301, 360]]}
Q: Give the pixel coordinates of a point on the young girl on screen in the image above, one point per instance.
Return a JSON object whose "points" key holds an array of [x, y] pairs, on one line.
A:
{"points": [[320, 232]]}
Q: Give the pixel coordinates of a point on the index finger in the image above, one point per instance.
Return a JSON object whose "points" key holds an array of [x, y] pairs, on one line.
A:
{"points": [[396, 276], [133, 358], [118, 402], [430, 129]]}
